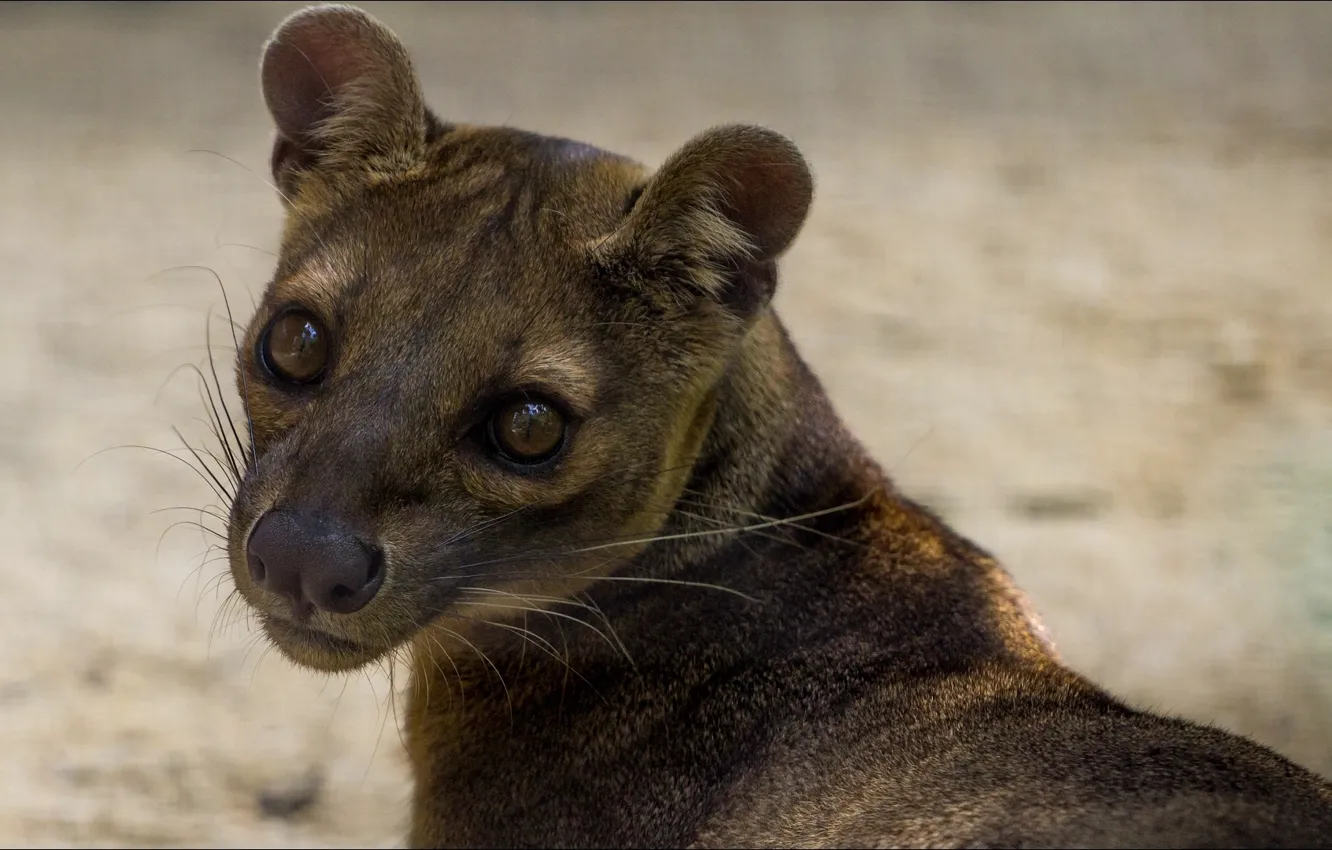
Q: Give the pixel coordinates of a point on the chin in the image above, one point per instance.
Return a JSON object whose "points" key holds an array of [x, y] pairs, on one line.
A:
{"points": [[317, 650]]}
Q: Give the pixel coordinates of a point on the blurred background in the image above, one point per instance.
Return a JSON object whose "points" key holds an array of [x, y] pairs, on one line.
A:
{"points": [[1068, 274]]}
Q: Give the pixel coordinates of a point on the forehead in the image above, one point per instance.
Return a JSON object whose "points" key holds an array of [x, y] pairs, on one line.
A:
{"points": [[481, 254], [474, 183], [488, 203]]}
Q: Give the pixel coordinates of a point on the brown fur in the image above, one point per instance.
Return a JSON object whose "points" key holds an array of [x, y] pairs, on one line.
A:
{"points": [[712, 621]]}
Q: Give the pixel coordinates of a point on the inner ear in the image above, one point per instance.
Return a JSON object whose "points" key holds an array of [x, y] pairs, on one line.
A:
{"points": [[766, 189], [340, 87]]}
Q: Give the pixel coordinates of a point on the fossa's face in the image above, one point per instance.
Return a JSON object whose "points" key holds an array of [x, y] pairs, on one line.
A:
{"points": [[484, 366]]}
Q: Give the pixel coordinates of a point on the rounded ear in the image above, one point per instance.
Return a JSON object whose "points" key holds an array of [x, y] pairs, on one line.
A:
{"points": [[725, 207], [342, 91], [765, 187]]}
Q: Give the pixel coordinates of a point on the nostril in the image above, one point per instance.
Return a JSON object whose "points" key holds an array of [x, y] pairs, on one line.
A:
{"points": [[353, 598], [359, 587], [258, 570], [376, 570]]}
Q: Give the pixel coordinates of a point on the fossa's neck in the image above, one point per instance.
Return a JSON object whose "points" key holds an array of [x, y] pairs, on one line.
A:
{"points": [[776, 451]]}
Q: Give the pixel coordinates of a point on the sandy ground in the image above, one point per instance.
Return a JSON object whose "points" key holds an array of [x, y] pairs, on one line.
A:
{"points": [[1068, 274]]}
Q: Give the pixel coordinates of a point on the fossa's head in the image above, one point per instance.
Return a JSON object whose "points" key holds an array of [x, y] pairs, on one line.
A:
{"points": [[482, 349]]}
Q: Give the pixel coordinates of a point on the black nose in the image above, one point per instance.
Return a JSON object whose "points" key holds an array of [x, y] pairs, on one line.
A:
{"points": [[313, 561]]}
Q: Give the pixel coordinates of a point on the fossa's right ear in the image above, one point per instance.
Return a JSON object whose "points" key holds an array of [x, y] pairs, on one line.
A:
{"points": [[343, 94]]}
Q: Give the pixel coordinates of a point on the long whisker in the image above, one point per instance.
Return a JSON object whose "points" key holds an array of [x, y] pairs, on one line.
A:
{"points": [[716, 521], [255, 248], [227, 463], [214, 425], [611, 628], [207, 510], [222, 492], [610, 538], [587, 575], [245, 392], [486, 659], [638, 541], [685, 535], [545, 646], [462, 690], [156, 450], [337, 703], [391, 704], [487, 524], [231, 320], [221, 399], [193, 524], [221, 463], [548, 613], [534, 598], [705, 501], [215, 583], [204, 560], [474, 530], [677, 582], [240, 164], [218, 615]]}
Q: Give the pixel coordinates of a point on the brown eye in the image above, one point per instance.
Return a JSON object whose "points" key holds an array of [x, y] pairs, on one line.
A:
{"points": [[527, 431], [295, 347]]}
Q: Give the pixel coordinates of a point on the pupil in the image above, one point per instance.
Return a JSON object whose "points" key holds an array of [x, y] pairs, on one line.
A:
{"points": [[296, 347], [533, 429]]}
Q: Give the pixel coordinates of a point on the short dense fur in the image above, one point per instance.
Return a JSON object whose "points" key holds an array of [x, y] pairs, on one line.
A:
{"points": [[714, 621]]}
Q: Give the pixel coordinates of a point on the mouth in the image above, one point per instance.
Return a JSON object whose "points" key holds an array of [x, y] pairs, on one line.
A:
{"points": [[318, 649]]}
